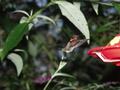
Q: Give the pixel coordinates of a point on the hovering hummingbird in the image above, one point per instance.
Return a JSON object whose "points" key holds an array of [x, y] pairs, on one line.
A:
{"points": [[73, 43]]}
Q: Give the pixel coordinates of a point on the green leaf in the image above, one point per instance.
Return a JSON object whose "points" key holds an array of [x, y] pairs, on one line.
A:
{"points": [[17, 61], [77, 4], [33, 49], [14, 38], [68, 88], [46, 18], [23, 19], [64, 75], [75, 16], [21, 11], [61, 65], [1, 51], [22, 51], [105, 4], [95, 7]]}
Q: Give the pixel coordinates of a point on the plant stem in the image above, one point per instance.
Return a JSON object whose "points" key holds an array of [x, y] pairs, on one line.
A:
{"points": [[45, 88], [61, 65]]}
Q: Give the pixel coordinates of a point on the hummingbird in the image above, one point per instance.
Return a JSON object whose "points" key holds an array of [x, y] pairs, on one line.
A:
{"points": [[73, 43]]}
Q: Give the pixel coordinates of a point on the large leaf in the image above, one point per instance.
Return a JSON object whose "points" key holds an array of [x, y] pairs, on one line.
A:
{"points": [[17, 61], [75, 16], [77, 4], [14, 38]]}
